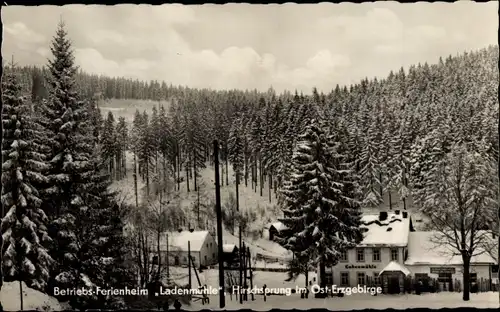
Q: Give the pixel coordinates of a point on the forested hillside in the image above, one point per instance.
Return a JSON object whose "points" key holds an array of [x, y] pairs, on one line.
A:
{"points": [[388, 124]]}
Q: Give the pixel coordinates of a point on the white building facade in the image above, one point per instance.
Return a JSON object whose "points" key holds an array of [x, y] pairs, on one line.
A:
{"points": [[430, 257], [200, 244], [391, 251], [385, 241]]}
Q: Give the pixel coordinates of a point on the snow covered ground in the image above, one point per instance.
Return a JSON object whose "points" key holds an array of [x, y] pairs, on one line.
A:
{"points": [[127, 108], [357, 301], [32, 299], [260, 278]]}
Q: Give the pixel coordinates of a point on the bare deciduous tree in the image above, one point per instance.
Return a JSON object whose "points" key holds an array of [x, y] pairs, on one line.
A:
{"points": [[459, 198]]}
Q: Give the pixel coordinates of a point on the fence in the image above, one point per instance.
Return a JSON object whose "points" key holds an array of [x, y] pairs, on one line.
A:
{"points": [[434, 285]]}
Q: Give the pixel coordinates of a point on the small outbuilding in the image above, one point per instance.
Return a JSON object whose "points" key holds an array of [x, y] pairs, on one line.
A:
{"points": [[230, 253], [274, 229]]}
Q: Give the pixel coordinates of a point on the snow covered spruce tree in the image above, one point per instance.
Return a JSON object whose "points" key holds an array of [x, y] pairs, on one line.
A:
{"points": [[78, 201], [318, 200], [25, 257]]}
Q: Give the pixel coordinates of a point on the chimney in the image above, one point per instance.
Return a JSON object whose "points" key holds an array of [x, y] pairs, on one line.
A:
{"points": [[397, 211], [405, 214], [382, 215]]}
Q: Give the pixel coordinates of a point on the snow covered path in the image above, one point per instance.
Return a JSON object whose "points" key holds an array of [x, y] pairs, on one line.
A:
{"points": [[358, 301]]}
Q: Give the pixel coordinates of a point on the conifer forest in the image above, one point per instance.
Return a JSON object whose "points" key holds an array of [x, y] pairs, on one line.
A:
{"points": [[427, 135]]}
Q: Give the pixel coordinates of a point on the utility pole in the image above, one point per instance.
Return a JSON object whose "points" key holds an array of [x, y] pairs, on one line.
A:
{"points": [[189, 264], [239, 233], [168, 264], [218, 210]]}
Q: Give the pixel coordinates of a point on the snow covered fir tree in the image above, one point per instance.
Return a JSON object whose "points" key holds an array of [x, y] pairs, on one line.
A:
{"points": [[321, 212], [103, 178], [25, 256]]}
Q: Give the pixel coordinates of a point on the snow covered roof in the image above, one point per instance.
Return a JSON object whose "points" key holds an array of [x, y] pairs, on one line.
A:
{"points": [[423, 249], [393, 266], [229, 248], [179, 241], [391, 232], [278, 226]]}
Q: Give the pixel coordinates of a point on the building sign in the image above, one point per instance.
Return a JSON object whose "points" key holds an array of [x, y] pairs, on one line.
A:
{"points": [[362, 266], [438, 270]]}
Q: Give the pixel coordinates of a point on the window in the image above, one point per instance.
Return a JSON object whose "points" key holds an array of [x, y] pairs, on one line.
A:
{"points": [[155, 259], [329, 279], [361, 278], [376, 254], [344, 278], [205, 259], [444, 277], [344, 256], [213, 255], [361, 255], [394, 254], [421, 277], [473, 277], [376, 278], [185, 259]]}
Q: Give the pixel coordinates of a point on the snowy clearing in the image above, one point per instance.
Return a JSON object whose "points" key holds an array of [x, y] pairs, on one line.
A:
{"points": [[32, 299]]}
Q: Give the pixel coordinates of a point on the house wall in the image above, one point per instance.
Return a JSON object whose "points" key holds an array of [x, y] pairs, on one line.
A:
{"points": [[373, 269], [208, 252], [265, 233], [483, 271]]}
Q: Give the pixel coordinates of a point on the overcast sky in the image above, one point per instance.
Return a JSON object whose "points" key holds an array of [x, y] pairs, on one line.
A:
{"points": [[252, 46]]}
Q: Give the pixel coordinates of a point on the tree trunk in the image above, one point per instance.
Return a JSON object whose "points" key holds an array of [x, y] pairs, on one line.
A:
{"points": [[261, 173], [135, 182], [322, 279], [147, 178], [156, 162], [187, 177], [198, 208], [227, 163], [270, 183], [381, 187], [158, 236], [194, 166], [255, 176], [111, 168], [178, 168], [21, 295], [466, 277], [307, 283], [251, 171], [124, 162], [390, 198], [246, 167], [165, 169]]}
